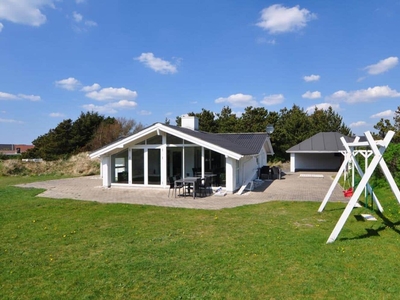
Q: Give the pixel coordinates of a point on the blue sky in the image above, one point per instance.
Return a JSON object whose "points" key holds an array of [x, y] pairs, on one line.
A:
{"points": [[151, 60]]}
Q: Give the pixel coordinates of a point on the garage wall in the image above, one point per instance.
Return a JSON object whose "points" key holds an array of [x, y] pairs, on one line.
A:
{"points": [[318, 161]]}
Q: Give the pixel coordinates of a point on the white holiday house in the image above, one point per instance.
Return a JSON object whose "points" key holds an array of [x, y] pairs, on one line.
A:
{"points": [[155, 154]]}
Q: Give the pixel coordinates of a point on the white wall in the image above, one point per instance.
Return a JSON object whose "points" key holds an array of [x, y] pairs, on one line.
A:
{"points": [[317, 161], [106, 166], [248, 168]]}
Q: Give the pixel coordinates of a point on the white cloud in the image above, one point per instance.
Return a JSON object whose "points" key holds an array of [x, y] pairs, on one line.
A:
{"points": [[123, 104], [366, 95], [358, 124], [157, 64], [311, 95], [145, 113], [56, 115], [263, 40], [91, 88], [1, 27], [111, 93], [361, 78], [10, 121], [111, 108], [77, 17], [80, 1], [382, 66], [28, 12], [323, 106], [90, 23], [99, 108], [383, 114], [273, 99], [238, 100], [81, 25], [279, 19], [70, 84], [311, 78], [7, 96], [30, 97]]}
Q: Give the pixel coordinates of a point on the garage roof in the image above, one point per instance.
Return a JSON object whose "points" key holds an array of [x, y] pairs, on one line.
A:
{"points": [[323, 142]]}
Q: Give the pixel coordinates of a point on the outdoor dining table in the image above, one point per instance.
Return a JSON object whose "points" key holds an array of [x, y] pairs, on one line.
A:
{"points": [[188, 181]]}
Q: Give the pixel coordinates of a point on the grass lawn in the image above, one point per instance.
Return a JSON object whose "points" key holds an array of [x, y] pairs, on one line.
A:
{"points": [[66, 249]]}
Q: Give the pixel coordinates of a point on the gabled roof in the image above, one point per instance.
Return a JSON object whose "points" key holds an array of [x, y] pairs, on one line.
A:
{"points": [[235, 145], [323, 142]]}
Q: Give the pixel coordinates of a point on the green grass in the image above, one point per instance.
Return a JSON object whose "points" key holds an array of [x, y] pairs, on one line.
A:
{"points": [[65, 249]]}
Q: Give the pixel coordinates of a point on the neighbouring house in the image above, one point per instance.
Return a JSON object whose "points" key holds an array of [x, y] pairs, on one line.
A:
{"points": [[323, 151], [160, 151], [14, 149]]}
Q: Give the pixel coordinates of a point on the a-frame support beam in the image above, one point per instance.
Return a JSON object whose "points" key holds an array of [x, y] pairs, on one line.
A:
{"points": [[349, 156], [377, 159]]}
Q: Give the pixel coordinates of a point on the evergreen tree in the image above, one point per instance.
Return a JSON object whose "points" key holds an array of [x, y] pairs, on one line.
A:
{"points": [[292, 127], [227, 121], [254, 119], [328, 121]]}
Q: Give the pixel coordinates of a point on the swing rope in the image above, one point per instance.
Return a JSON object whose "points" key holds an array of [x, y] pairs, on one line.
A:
{"points": [[348, 192]]}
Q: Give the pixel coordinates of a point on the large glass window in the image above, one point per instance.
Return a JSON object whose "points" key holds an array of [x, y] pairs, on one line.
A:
{"points": [[138, 166], [119, 163], [172, 139], [154, 166], [155, 140], [174, 162]]}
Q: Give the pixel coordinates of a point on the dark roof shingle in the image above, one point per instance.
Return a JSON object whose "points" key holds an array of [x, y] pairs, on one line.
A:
{"points": [[241, 143], [322, 142]]}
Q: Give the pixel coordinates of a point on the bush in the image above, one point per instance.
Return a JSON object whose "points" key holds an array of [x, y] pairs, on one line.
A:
{"points": [[78, 165]]}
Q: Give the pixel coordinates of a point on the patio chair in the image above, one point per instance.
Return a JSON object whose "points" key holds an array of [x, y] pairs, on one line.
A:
{"points": [[204, 186], [173, 186]]}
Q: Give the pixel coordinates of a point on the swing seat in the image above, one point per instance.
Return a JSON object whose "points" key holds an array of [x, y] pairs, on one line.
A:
{"points": [[348, 193]]}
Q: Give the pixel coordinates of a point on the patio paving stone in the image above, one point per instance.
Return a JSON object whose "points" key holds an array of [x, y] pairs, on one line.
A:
{"points": [[292, 187]]}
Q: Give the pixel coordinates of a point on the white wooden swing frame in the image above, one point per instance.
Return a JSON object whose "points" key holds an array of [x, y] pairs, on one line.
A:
{"points": [[378, 148]]}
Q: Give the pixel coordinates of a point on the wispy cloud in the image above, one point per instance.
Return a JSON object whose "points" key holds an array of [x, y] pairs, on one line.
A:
{"points": [[323, 106], [358, 124], [311, 95], [111, 108], [311, 78], [237, 100], [110, 93], [77, 17], [382, 66], [27, 12], [383, 114], [81, 25], [7, 96], [10, 121], [273, 99], [157, 64], [1, 27], [145, 113], [91, 88], [280, 19], [69, 84], [90, 23], [365, 95], [56, 115]]}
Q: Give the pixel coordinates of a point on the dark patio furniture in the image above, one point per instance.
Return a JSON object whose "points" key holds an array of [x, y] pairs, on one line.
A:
{"points": [[174, 186], [265, 172], [189, 185]]}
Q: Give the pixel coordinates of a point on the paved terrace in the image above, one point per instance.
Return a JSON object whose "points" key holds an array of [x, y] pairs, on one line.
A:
{"points": [[302, 186]]}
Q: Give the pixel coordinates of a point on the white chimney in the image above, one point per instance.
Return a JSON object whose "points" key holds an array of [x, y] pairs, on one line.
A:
{"points": [[190, 122]]}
